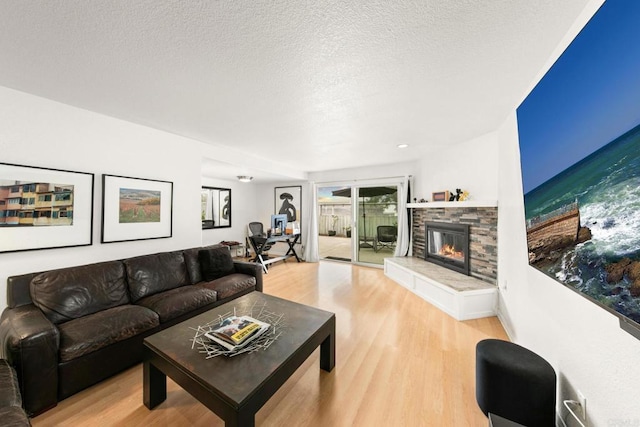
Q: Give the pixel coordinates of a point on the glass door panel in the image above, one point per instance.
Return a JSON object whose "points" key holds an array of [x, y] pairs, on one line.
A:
{"points": [[377, 222], [334, 223]]}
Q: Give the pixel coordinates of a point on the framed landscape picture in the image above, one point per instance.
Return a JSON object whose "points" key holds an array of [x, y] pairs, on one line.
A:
{"points": [[135, 209], [288, 201], [42, 208]]}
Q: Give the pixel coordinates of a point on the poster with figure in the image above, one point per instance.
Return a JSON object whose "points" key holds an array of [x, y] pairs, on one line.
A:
{"points": [[288, 201]]}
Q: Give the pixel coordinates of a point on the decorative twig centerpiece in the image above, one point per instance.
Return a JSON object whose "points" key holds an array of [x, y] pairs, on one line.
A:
{"points": [[211, 348]]}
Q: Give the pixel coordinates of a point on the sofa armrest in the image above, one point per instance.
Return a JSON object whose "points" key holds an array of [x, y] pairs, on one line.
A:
{"points": [[251, 268], [30, 342]]}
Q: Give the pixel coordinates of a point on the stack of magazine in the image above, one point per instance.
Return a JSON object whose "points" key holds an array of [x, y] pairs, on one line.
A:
{"points": [[235, 332]]}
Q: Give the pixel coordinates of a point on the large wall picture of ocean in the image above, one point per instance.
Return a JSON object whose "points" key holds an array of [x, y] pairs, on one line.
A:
{"points": [[579, 134]]}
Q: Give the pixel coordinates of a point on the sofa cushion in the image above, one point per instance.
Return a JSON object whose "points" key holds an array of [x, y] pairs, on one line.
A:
{"points": [[230, 285], [192, 263], [176, 302], [93, 332], [215, 263], [150, 274], [74, 292]]}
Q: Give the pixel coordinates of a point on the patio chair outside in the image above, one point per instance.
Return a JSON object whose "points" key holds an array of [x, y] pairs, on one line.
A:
{"points": [[386, 236]]}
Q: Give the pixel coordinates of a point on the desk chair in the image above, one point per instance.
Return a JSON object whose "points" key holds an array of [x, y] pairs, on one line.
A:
{"points": [[257, 238], [386, 236]]}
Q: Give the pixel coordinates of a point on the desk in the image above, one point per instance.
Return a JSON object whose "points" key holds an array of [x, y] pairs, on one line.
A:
{"points": [[259, 245]]}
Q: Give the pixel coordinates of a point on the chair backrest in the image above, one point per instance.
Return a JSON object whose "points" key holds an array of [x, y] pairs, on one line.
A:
{"points": [[256, 229], [387, 233]]}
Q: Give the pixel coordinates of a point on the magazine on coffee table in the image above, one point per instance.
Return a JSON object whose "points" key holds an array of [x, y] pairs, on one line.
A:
{"points": [[235, 332]]}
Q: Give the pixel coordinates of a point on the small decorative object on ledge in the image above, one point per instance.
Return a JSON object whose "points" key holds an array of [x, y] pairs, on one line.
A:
{"points": [[213, 349], [458, 195], [440, 196]]}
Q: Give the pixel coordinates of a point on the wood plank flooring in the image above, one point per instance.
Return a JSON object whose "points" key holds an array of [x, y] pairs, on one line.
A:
{"points": [[399, 362]]}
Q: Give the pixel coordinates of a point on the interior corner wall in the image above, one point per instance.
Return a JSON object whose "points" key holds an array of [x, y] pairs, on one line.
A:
{"points": [[470, 166], [38, 132], [582, 341], [244, 209]]}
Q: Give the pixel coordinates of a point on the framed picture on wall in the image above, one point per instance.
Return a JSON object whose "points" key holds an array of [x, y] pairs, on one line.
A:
{"points": [[135, 209], [288, 201], [42, 208]]}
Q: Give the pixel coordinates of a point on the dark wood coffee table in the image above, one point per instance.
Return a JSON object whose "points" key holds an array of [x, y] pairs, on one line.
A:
{"points": [[235, 388]]}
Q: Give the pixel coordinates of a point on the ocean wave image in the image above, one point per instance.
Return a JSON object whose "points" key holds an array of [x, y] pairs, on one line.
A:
{"points": [[583, 225]]}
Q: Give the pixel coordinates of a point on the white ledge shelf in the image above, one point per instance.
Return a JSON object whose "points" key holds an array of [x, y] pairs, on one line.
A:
{"points": [[463, 204]]}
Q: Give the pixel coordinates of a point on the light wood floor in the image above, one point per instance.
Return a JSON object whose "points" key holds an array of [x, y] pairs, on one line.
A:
{"points": [[399, 362]]}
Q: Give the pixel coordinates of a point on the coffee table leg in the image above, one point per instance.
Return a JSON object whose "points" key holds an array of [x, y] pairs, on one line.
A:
{"points": [[154, 385], [328, 351], [241, 420]]}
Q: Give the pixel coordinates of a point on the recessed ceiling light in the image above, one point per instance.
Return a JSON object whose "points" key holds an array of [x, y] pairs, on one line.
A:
{"points": [[244, 178], [403, 145]]}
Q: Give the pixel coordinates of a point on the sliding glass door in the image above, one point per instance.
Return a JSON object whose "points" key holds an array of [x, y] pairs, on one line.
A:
{"points": [[357, 223]]}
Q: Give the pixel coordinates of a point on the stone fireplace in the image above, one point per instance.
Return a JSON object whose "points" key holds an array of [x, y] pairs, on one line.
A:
{"points": [[483, 234], [447, 245]]}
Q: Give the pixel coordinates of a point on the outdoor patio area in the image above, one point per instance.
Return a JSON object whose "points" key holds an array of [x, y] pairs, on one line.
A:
{"points": [[339, 248]]}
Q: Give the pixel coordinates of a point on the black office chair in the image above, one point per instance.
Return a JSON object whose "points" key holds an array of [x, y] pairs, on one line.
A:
{"points": [[257, 238], [386, 236]]}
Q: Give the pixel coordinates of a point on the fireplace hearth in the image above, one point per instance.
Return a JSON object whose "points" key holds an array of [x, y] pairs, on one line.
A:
{"points": [[447, 245]]}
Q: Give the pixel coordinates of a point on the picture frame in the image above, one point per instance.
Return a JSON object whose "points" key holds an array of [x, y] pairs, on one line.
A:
{"points": [[288, 200], [136, 209], [44, 208], [440, 196], [215, 207]]}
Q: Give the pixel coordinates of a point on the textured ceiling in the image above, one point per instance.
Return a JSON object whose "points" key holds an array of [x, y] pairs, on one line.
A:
{"points": [[340, 83]]}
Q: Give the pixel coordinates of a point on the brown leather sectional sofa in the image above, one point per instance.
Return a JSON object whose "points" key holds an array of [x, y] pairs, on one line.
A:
{"points": [[67, 329]]}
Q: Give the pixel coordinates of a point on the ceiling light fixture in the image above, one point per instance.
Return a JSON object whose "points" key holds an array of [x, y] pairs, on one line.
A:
{"points": [[244, 178], [403, 145]]}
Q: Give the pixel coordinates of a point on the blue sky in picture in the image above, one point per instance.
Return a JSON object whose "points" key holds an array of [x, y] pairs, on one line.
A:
{"points": [[588, 98]]}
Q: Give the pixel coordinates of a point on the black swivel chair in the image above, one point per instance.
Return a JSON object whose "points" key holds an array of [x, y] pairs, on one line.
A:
{"points": [[386, 236], [257, 238]]}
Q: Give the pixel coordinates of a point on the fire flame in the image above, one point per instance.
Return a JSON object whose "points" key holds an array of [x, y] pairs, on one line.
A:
{"points": [[450, 252]]}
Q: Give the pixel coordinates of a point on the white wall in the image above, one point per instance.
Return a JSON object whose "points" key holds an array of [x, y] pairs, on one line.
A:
{"points": [[364, 173], [470, 166], [38, 132], [582, 341]]}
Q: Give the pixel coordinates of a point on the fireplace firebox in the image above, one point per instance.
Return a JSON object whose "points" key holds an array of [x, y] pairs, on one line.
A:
{"points": [[447, 245]]}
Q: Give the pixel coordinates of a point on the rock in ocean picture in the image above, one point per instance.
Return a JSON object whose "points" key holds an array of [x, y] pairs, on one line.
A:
{"points": [[579, 135]]}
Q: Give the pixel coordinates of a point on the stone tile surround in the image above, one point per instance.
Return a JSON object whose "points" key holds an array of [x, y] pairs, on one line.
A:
{"points": [[483, 235]]}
